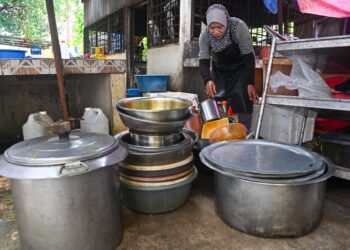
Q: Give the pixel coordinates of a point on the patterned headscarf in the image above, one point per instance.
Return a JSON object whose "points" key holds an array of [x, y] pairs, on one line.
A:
{"points": [[218, 45]]}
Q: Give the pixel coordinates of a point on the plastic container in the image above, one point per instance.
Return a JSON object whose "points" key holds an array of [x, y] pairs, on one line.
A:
{"points": [[284, 124], [329, 125], [11, 53], [94, 121], [37, 125], [152, 83], [133, 93], [35, 50]]}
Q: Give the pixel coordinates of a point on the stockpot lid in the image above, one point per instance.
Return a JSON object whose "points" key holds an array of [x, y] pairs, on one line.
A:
{"points": [[262, 158], [52, 156]]}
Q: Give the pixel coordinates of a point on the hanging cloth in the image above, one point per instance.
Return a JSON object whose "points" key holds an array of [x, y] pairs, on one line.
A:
{"points": [[329, 8], [271, 5]]}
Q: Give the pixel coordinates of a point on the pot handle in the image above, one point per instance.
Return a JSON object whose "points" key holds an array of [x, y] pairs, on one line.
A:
{"points": [[74, 168]]}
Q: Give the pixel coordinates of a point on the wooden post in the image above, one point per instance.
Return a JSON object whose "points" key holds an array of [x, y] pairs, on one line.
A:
{"points": [[129, 46], [57, 57]]}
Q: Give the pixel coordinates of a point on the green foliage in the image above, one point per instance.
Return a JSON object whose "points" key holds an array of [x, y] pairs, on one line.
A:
{"points": [[28, 19]]}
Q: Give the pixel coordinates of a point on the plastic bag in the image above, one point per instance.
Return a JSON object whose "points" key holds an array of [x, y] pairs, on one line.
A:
{"points": [[271, 5], [308, 82]]}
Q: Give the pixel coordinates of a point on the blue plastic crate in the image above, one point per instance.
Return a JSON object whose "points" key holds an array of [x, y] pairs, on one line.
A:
{"points": [[152, 83]]}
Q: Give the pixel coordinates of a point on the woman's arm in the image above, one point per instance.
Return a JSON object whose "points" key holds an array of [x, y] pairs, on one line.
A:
{"points": [[204, 64], [204, 56]]}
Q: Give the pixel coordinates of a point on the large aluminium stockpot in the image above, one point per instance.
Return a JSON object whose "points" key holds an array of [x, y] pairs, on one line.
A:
{"points": [[63, 191], [267, 188]]}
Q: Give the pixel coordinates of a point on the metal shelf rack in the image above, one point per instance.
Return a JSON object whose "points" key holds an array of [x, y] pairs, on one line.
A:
{"points": [[315, 47]]}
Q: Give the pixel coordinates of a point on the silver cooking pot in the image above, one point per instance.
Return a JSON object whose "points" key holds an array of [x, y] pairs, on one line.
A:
{"points": [[277, 206], [63, 191]]}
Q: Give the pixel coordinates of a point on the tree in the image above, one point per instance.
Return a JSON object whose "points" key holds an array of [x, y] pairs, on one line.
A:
{"points": [[28, 19]]}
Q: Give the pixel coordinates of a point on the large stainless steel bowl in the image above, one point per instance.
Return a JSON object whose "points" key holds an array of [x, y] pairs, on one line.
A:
{"points": [[153, 140], [158, 156], [160, 199], [148, 126], [160, 109]]}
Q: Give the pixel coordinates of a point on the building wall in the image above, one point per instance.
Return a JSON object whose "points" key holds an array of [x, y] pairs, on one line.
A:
{"points": [[120, 56], [21, 96], [166, 60], [95, 10]]}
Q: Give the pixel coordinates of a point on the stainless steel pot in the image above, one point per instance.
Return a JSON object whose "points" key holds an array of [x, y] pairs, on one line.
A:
{"points": [[270, 207], [158, 109], [63, 191]]}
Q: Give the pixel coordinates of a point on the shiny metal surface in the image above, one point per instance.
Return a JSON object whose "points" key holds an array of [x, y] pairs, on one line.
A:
{"points": [[280, 209], [161, 109], [148, 126], [152, 140], [185, 139], [154, 200], [266, 179], [164, 155], [79, 212], [209, 110], [17, 171], [262, 158], [50, 150], [156, 170]]}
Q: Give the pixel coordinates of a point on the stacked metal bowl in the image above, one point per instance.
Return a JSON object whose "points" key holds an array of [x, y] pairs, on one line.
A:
{"points": [[156, 176]]}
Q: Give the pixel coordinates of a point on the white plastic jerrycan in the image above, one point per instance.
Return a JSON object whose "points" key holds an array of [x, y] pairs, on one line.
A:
{"points": [[37, 125], [95, 121]]}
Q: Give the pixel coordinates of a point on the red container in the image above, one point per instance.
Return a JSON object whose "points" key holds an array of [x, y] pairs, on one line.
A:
{"points": [[328, 125]]}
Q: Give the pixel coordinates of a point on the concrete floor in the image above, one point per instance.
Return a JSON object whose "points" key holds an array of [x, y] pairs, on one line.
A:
{"points": [[196, 226]]}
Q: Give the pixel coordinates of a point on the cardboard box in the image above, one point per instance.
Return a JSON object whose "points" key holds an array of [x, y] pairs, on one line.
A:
{"points": [[285, 66]]}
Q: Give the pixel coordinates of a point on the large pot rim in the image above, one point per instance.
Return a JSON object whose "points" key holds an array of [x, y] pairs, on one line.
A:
{"points": [[121, 107], [17, 171], [330, 169]]}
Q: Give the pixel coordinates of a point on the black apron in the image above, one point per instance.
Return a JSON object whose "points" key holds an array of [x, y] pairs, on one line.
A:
{"points": [[230, 77]]}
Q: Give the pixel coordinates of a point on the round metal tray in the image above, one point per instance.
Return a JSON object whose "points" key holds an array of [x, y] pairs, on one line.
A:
{"points": [[262, 159]]}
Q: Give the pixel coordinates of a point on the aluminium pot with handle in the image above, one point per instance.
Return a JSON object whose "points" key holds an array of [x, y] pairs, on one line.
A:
{"points": [[63, 191], [268, 189]]}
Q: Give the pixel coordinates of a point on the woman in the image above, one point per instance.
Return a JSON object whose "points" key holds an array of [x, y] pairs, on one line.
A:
{"points": [[226, 42]]}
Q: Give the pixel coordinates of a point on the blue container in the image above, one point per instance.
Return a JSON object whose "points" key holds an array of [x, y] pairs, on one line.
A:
{"points": [[152, 83], [35, 50], [133, 93], [11, 53]]}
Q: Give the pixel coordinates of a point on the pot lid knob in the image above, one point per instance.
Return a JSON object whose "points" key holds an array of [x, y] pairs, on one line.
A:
{"points": [[60, 128]]}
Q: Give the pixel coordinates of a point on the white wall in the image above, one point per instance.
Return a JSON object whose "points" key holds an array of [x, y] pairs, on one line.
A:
{"points": [[166, 60]]}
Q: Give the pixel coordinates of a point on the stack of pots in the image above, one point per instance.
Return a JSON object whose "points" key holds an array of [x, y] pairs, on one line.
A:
{"points": [[156, 176], [266, 188]]}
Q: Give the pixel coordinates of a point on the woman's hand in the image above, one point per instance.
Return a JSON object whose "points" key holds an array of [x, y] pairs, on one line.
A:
{"points": [[253, 95], [210, 89]]}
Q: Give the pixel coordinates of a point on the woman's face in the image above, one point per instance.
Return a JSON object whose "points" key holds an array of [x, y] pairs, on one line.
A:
{"points": [[217, 30]]}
